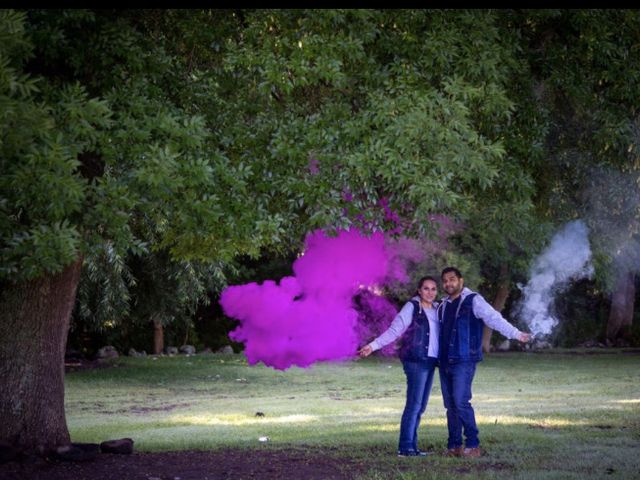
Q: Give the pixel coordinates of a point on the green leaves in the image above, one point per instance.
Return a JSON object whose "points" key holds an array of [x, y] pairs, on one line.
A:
{"points": [[46, 247], [80, 118], [43, 132], [14, 46]]}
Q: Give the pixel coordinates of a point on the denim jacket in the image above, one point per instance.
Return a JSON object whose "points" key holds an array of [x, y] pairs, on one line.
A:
{"points": [[465, 343]]}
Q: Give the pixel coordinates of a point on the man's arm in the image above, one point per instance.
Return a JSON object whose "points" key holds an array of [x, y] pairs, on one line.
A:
{"points": [[494, 320]]}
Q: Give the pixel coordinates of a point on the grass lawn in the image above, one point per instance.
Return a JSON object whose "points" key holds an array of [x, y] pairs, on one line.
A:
{"points": [[556, 415]]}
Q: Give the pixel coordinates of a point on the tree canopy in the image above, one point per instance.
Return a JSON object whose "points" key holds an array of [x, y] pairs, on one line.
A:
{"points": [[288, 118]]}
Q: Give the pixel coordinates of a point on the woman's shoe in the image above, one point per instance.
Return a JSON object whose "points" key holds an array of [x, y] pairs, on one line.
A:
{"points": [[412, 453]]}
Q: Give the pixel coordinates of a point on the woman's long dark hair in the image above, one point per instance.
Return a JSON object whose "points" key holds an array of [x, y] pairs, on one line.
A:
{"points": [[424, 279]]}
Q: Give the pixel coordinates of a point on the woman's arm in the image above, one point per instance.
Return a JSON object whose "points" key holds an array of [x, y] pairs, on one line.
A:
{"points": [[398, 326]]}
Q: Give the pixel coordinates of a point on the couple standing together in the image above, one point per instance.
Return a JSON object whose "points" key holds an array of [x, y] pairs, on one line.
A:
{"points": [[448, 335]]}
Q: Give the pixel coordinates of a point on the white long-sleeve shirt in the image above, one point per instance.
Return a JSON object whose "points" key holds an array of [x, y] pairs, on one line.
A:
{"points": [[489, 315], [402, 321]]}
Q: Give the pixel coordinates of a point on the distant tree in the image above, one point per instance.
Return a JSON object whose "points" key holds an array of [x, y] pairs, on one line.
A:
{"points": [[149, 289]]}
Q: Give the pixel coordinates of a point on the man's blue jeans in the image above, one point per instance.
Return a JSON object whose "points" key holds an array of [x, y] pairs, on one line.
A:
{"points": [[455, 382], [419, 381]]}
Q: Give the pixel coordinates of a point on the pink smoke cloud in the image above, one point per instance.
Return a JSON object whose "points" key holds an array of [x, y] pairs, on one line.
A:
{"points": [[375, 313], [403, 253], [310, 317]]}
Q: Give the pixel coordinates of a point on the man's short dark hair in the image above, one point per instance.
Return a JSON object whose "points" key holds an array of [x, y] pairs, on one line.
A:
{"points": [[451, 269]]}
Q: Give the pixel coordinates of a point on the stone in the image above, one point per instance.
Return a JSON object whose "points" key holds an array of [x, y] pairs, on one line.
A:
{"points": [[206, 351], [188, 349], [171, 351], [122, 446], [107, 352], [77, 452], [504, 346], [227, 350]]}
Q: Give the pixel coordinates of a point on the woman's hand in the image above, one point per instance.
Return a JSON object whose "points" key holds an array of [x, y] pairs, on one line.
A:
{"points": [[365, 351]]}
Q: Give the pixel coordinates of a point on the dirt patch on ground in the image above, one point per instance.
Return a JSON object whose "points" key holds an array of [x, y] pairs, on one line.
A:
{"points": [[191, 465]]}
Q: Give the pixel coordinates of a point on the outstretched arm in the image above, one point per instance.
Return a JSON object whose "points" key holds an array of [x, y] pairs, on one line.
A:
{"points": [[398, 326], [493, 319]]}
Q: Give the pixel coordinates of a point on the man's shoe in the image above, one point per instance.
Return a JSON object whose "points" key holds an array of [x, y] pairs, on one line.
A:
{"points": [[454, 452], [471, 452]]}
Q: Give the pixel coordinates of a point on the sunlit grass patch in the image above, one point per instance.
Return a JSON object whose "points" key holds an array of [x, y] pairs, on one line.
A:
{"points": [[208, 419]]}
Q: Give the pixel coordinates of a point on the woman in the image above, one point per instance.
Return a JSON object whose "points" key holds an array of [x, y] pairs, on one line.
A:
{"points": [[417, 324]]}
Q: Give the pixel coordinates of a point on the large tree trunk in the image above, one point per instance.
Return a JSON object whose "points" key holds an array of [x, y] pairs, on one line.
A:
{"points": [[158, 336], [498, 303], [34, 322], [622, 305]]}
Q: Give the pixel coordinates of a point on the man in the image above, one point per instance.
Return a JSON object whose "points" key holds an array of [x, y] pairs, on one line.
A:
{"points": [[462, 315]]}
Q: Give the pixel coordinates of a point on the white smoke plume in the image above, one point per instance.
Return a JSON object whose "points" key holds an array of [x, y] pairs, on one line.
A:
{"points": [[568, 257]]}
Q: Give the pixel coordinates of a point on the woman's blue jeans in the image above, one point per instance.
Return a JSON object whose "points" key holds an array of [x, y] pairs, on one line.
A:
{"points": [[419, 381], [455, 382]]}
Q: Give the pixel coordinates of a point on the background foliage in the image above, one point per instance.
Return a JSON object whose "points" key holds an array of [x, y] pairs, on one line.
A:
{"points": [[173, 149]]}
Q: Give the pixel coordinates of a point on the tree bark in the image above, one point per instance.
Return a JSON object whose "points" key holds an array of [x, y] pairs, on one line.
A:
{"points": [[622, 305], [498, 303], [34, 322], [158, 336]]}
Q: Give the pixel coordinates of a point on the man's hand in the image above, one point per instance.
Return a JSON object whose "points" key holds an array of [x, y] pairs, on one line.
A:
{"points": [[365, 351], [525, 337]]}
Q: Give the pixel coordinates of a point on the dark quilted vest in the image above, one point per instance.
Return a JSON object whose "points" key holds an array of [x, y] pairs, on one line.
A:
{"points": [[465, 342], [414, 343]]}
